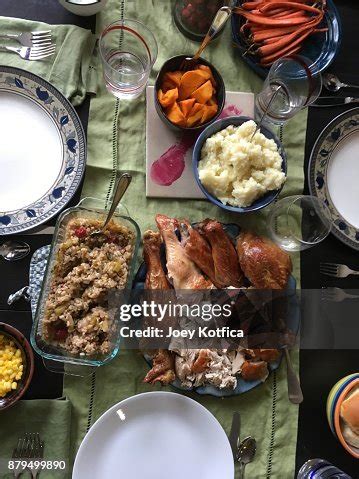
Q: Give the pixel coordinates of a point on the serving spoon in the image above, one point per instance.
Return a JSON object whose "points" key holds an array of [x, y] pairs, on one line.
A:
{"points": [[332, 83], [246, 452], [122, 185], [14, 250], [218, 23]]}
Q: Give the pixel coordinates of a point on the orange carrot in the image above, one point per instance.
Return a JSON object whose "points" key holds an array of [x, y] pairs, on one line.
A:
{"points": [[252, 5], [261, 35], [269, 54], [299, 6], [265, 62], [292, 39], [274, 22], [268, 41]]}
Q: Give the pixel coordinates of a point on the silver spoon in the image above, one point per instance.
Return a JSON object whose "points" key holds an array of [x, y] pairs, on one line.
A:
{"points": [[246, 452], [14, 250], [332, 83], [122, 185], [218, 23], [295, 394]]}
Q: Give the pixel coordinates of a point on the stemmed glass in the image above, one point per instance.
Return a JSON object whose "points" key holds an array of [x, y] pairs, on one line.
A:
{"points": [[128, 51], [292, 84], [299, 222]]}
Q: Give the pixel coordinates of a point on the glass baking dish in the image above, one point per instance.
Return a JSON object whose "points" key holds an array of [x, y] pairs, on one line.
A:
{"points": [[90, 208]]}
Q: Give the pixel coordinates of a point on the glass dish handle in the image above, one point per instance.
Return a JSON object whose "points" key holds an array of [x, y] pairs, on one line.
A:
{"points": [[68, 369]]}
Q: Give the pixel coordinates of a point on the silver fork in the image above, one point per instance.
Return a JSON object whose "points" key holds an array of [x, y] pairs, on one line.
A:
{"points": [[336, 295], [31, 53], [36, 452], [29, 448], [30, 39], [337, 270], [19, 453]]}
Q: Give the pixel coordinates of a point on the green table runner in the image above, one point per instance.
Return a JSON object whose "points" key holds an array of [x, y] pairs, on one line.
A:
{"points": [[116, 141]]}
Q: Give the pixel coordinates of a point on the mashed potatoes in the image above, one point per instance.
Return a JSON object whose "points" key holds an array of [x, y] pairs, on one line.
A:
{"points": [[238, 171]]}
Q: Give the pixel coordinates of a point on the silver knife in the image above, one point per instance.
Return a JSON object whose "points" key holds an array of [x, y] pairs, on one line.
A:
{"points": [[334, 101], [234, 435]]}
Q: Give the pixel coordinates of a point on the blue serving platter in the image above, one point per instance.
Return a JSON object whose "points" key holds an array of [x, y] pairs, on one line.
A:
{"points": [[293, 323], [321, 48]]}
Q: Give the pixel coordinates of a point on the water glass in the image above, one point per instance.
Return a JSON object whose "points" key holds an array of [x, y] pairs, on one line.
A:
{"points": [[320, 469], [299, 222], [128, 52], [292, 84]]}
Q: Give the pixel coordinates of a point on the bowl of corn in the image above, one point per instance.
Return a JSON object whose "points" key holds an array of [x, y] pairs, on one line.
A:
{"points": [[16, 365]]}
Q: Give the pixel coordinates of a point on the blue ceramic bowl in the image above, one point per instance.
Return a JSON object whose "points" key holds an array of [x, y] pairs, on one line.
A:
{"points": [[217, 126], [320, 48]]}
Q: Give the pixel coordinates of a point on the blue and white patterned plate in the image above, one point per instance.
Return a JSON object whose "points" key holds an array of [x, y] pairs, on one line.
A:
{"points": [[42, 150], [333, 174]]}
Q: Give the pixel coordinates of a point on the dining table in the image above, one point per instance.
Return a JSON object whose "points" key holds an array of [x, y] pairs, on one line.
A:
{"points": [[320, 369]]}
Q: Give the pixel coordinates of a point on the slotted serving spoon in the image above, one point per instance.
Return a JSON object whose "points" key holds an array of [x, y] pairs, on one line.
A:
{"points": [[218, 23], [122, 185]]}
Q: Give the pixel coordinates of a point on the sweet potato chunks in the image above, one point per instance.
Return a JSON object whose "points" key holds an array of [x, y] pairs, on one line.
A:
{"points": [[188, 99], [168, 98]]}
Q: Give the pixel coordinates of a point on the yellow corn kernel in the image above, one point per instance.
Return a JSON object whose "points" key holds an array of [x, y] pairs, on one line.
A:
{"points": [[11, 367]]}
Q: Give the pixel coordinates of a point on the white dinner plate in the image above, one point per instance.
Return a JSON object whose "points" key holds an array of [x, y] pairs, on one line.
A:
{"points": [[155, 435], [42, 150], [334, 173]]}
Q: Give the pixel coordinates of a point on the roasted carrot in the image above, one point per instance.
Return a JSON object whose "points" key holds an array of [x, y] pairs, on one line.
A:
{"points": [[269, 53], [252, 5], [262, 35], [274, 22], [299, 6], [266, 63], [273, 39], [290, 39], [289, 14]]}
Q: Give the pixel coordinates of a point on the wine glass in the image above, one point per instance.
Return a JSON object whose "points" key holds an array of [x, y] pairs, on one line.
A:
{"points": [[299, 222], [128, 51], [292, 84]]}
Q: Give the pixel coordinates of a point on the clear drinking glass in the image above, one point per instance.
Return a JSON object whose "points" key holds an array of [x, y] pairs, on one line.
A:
{"points": [[299, 222], [128, 52], [292, 84]]}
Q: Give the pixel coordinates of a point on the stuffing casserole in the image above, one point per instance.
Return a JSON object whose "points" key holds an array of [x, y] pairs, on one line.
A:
{"points": [[76, 311]]}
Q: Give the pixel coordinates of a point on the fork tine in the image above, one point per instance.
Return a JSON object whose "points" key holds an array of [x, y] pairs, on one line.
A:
{"points": [[329, 266], [41, 54], [42, 41], [37, 445], [36, 54], [42, 48], [40, 57], [328, 273], [41, 32]]}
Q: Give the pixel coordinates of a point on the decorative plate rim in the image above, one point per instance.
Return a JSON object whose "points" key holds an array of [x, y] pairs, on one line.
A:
{"points": [[76, 145], [341, 228]]}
